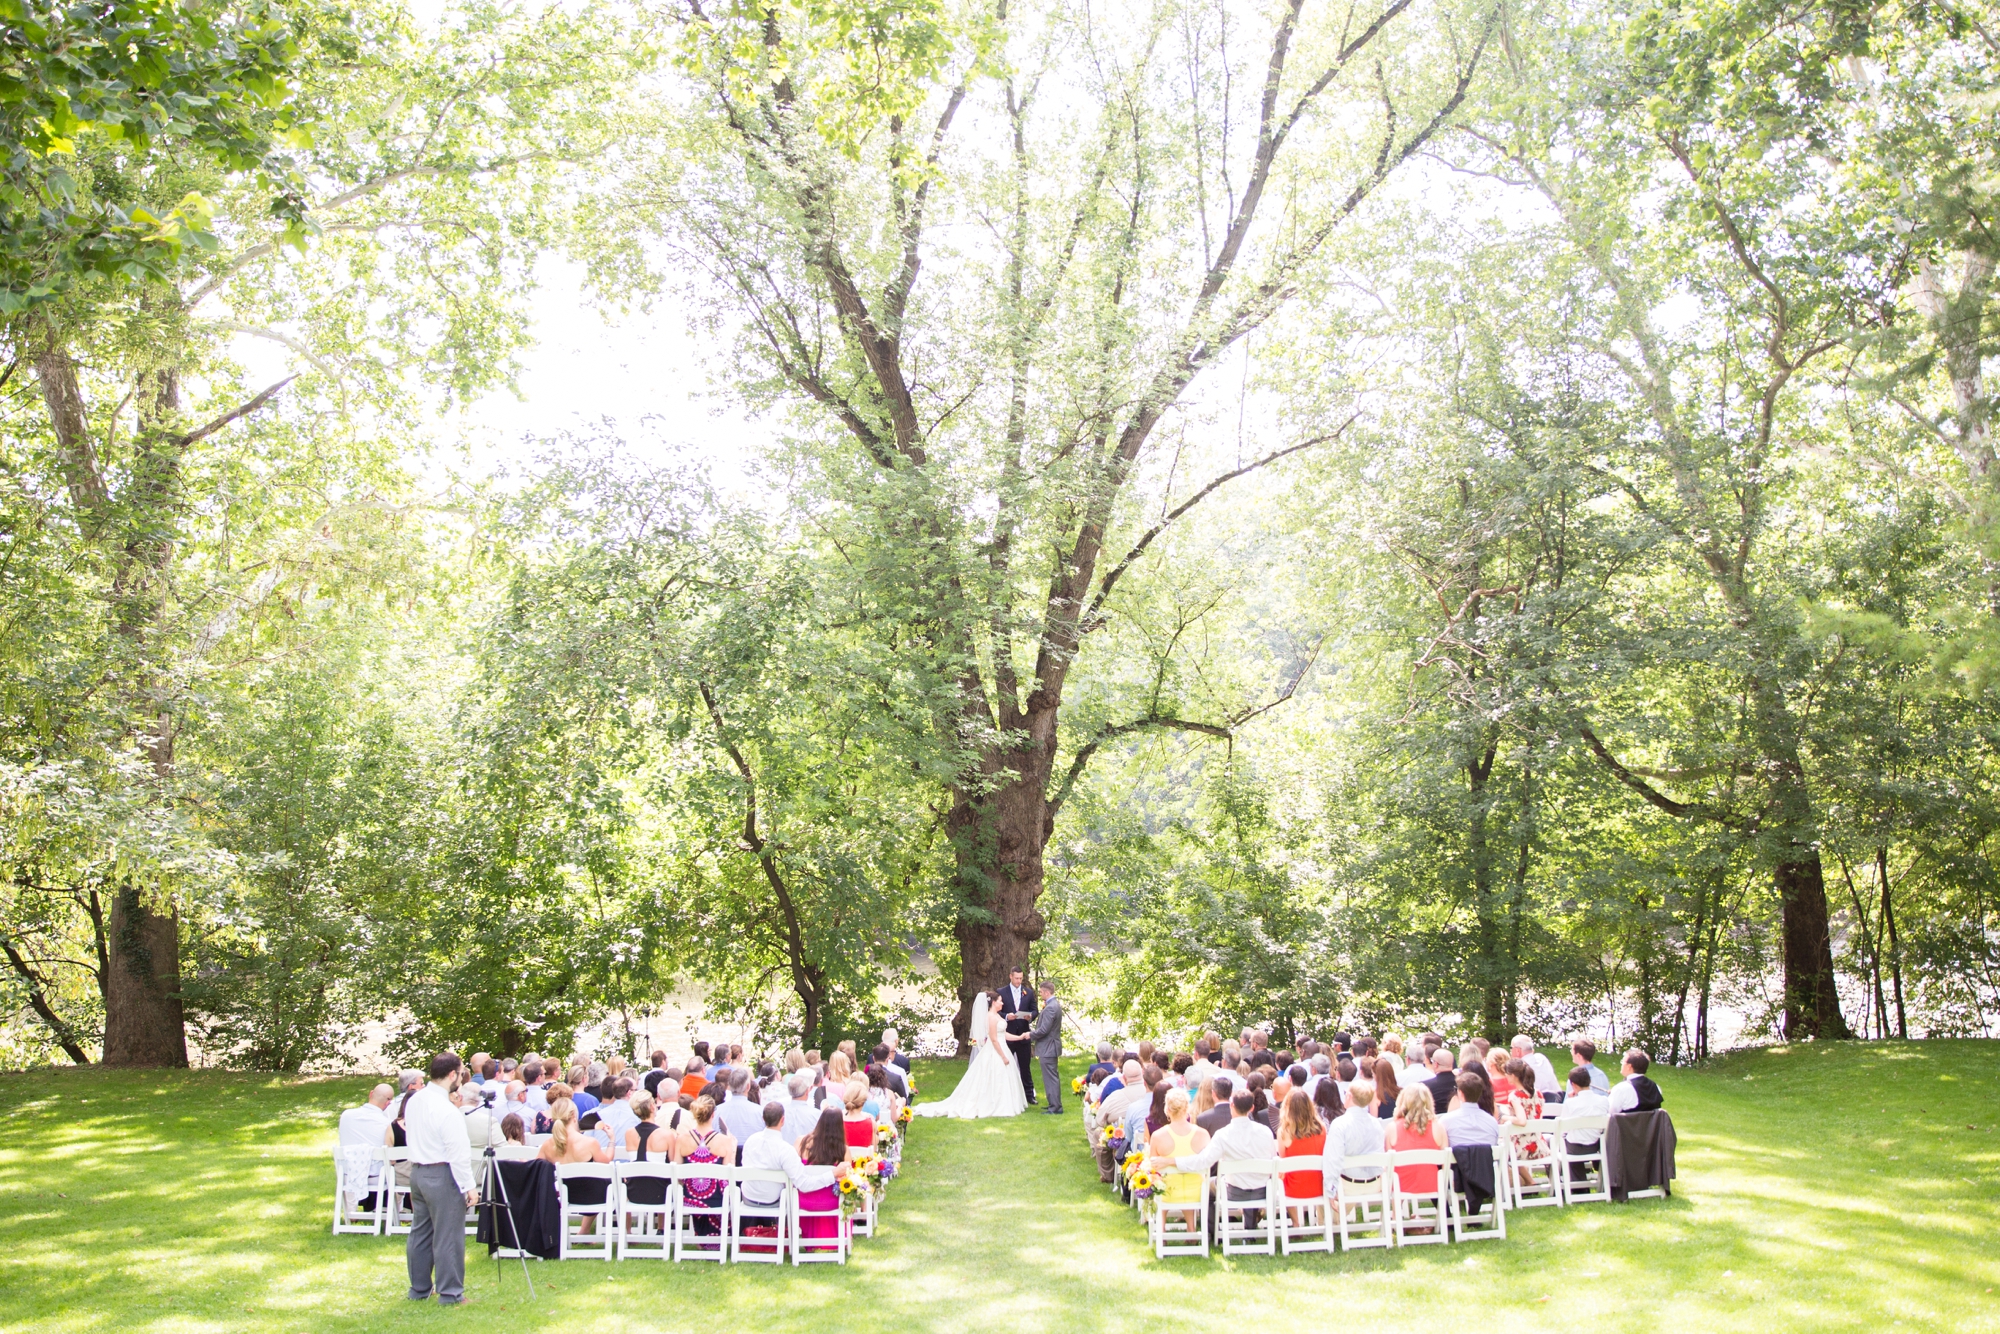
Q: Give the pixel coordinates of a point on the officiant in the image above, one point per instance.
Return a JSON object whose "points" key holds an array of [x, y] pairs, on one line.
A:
{"points": [[1017, 1003]]}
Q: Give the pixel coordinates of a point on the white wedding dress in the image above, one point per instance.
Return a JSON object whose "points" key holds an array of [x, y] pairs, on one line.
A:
{"points": [[991, 1087]]}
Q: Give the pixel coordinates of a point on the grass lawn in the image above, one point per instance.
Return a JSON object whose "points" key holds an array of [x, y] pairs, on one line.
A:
{"points": [[1840, 1187]]}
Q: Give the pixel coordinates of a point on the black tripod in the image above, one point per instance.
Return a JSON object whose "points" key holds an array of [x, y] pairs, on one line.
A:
{"points": [[495, 1177]]}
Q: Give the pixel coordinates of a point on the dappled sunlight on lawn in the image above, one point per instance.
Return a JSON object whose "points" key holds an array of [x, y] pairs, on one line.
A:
{"points": [[202, 1206]]}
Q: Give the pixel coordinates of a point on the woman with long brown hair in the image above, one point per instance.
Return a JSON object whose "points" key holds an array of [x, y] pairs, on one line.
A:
{"points": [[1301, 1135]]}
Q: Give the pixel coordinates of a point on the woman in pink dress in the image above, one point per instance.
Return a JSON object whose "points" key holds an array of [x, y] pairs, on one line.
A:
{"points": [[825, 1146]]}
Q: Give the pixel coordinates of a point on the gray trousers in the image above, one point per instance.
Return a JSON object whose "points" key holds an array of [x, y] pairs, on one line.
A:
{"points": [[1051, 1083], [437, 1233]]}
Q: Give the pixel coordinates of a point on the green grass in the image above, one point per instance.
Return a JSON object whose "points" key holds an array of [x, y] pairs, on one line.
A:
{"points": [[1849, 1187]]}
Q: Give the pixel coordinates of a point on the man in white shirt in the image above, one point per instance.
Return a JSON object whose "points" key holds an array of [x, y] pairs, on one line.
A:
{"points": [[440, 1185], [800, 1115], [1354, 1132], [1637, 1092], [1546, 1086], [1583, 1100], [768, 1150], [615, 1115], [1244, 1139], [1318, 1066], [363, 1131], [741, 1117]]}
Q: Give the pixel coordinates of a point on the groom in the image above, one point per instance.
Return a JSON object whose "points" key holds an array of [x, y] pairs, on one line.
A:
{"points": [[1047, 1037], [1017, 1006]]}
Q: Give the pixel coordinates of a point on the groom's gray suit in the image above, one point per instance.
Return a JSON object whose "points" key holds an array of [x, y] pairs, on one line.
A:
{"points": [[1046, 1036]]}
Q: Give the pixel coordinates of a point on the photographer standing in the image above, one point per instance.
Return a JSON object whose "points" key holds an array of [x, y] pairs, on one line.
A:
{"points": [[440, 1184]]}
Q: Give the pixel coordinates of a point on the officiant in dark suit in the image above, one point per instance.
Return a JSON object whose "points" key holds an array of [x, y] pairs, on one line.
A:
{"points": [[1017, 1004]]}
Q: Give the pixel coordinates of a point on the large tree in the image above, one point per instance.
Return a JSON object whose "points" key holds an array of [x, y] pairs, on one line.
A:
{"points": [[996, 250]]}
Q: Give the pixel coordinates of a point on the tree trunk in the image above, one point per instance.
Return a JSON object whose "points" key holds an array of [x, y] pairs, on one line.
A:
{"points": [[1478, 769], [998, 837], [142, 993], [1812, 1005], [1895, 946]]}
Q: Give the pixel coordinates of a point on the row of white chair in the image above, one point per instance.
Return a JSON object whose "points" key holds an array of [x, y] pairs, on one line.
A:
{"points": [[1533, 1166], [620, 1227]]}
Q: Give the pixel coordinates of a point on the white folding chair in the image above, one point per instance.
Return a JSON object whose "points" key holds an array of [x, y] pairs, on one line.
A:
{"points": [[744, 1213], [353, 1167], [1531, 1169], [1364, 1206], [1489, 1223], [690, 1243], [1415, 1210], [1233, 1228], [645, 1228], [601, 1244], [1595, 1187], [401, 1213], [1179, 1229], [1307, 1221], [819, 1250], [534, 1141]]}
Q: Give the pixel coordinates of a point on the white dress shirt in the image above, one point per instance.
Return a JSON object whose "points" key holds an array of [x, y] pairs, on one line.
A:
{"points": [[617, 1117], [366, 1127], [1587, 1103], [1354, 1132], [1545, 1074], [1624, 1098], [800, 1118], [435, 1128], [768, 1150], [1243, 1139], [741, 1118]]}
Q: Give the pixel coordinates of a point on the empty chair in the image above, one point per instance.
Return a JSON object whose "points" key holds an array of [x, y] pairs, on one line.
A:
{"points": [[701, 1211], [1180, 1227], [1423, 1197], [758, 1225], [1247, 1226], [1580, 1173], [1361, 1209], [586, 1199], [646, 1210]]}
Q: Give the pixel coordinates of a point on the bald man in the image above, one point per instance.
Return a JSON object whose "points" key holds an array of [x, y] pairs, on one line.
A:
{"points": [[367, 1127]]}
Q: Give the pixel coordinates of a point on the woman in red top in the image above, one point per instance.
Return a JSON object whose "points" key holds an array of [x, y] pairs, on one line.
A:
{"points": [[1416, 1127], [1300, 1135], [857, 1126], [1505, 1088]]}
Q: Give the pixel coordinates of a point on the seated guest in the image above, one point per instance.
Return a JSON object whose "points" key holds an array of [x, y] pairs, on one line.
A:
{"points": [[1217, 1093], [513, 1102], [579, 1090], [1112, 1110], [1470, 1121], [1102, 1065], [1443, 1082], [800, 1114], [883, 1104], [824, 1146], [645, 1140], [513, 1146], [1327, 1102], [615, 1114], [1494, 1062], [696, 1077], [1244, 1139], [1116, 1079], [1525, 1103], [567, 1144], [857, 1122], [1261, 1107], [1319, 1069], [1637, 1092], [1387, 1086], [741, 1117], [702, 1143], [656, 1074], [1182, 1063], [769, 1151], [1416, 1127], [893, 1074], [1584, 1053], [1300, 1135], [1201, 1069], [893, 1041], [1392, 1051], [1180, 1135], [1356, 1131], [1545, 1073], [365, 1129], [1583, 1100]]}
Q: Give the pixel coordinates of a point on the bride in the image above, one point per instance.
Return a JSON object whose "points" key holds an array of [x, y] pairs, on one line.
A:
{"points": [[991, 1087]]}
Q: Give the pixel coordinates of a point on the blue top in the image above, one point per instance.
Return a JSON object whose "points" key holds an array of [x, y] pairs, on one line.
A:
{"points": [[585, 1102]]}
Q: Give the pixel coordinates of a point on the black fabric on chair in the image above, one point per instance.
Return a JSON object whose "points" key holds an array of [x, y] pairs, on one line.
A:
{"points": [[533, 1223], [1472, 1174], [1639, 1153]]}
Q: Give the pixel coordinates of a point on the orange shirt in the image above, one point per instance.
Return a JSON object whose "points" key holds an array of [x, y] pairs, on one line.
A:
{"points": [[692, 1085]]}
